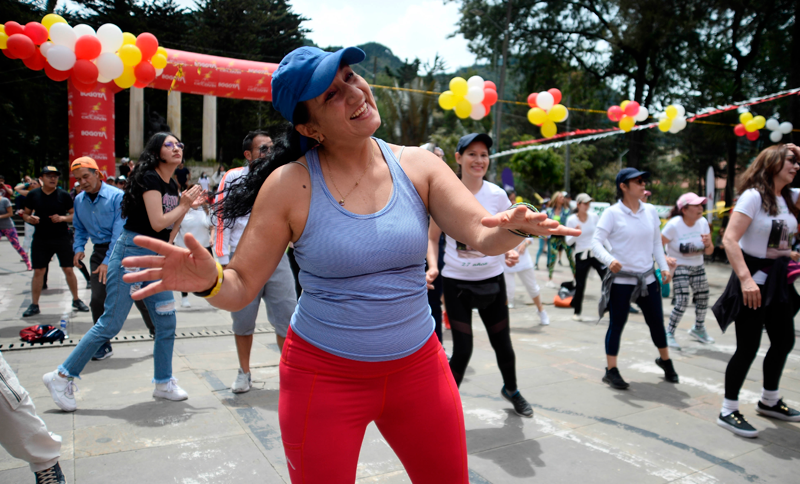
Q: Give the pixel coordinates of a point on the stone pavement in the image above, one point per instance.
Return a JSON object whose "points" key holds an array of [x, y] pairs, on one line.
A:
{"points": [[582, 431]]}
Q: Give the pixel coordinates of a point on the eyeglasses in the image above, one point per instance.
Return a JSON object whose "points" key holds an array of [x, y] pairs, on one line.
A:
{"points": [[171, 145]]}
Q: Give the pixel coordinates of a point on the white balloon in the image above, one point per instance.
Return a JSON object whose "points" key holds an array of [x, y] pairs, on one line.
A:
{"points": [[545, 100], [60, 57], [478, 111], [109, 65], [681, 110], [44, 48], [475, 81], [83, 29], [642, 115], [475, 95], [679, 123], [775, 136], [110, 37], [159, 71], [103, 80], [786, 127], [773, 124], [63, 35]]}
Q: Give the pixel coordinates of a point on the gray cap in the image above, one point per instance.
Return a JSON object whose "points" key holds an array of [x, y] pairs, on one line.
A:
{"points": [[583, 198]]}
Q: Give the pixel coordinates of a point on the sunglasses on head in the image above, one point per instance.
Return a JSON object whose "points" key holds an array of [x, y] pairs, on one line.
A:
{"points": [[171, 145]]}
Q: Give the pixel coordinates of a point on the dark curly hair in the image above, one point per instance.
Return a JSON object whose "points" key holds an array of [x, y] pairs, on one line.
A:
{"points": [[149, 160]]}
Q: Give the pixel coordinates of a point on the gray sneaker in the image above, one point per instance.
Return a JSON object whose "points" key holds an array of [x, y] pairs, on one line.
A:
{"points": [[243, 382], [671, 341], [700, 335]]}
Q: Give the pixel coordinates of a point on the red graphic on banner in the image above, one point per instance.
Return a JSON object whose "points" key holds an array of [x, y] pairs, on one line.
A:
{"points": [[91, 125]]}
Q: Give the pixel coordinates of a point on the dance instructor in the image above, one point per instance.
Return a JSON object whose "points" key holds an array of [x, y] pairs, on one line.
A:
{"points": [[361, 347], [759, 295]]}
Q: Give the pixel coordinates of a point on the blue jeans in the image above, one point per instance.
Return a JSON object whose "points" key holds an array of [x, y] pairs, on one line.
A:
{"points": [[161, 307]]}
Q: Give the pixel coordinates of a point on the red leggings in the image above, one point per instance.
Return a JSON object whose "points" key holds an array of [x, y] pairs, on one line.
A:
{"points": [[326, 403]]}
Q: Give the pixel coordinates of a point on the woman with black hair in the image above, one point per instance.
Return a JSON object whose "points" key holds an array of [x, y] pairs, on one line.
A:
{"points": [[760, 293], [154, 207], [361, 347]]}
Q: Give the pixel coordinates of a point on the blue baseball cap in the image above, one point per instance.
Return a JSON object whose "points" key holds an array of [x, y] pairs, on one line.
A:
{"points": [[626, 174], [307, 72], [467, 140]]}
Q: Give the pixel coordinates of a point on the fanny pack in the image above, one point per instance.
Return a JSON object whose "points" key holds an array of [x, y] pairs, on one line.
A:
{"points": [[481, 295]]}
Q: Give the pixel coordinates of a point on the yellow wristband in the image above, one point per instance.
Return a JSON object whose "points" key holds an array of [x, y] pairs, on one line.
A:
{"points": [[217, 287]]}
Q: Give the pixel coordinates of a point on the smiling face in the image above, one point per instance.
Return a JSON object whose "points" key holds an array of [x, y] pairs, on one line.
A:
{"points": [[475, 160], [789, 169], [171, 152], [345, 111]]}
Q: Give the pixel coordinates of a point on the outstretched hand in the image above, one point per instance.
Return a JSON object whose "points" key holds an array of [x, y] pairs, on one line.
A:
{"points": [[528, 221], [175, 268]]}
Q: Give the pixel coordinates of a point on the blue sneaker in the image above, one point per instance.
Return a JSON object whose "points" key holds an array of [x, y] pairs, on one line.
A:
{"points": [[104, 352]]}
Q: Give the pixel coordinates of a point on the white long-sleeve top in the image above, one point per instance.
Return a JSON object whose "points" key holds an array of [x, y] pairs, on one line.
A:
{"points": [[635, 240], [226, 239], [583, 242], [195, 222]]}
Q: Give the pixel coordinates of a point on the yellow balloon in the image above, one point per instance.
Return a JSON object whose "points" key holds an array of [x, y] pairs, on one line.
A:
{"points": [[127, 79], [557, 113], [537, 116], [672, 112], [664, 125], [130, 55], [751, 126], [463, 108], [745, 117], [549, 129], [51, 19], [2, 29], [159, 61], [447, 100], [162, 51], [128, 38], [761, 121], [3, 40], [459, 87], [626, 123], [518, 199], [623, 104]]}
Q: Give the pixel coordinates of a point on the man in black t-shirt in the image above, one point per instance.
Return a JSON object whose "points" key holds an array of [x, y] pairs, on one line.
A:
{"points": [[49, 208], [183, 175]]}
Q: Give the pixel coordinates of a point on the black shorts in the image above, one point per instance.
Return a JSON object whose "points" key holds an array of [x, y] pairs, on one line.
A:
{"points": [[43, 251]]}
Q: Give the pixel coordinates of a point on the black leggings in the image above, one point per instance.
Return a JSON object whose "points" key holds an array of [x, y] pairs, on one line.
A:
{"points": [[582, 267], [619, 308], [779, 322], [493, 310]]}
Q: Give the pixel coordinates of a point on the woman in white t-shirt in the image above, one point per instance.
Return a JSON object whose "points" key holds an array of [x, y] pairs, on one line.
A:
{"points": [[687, 237], [758, 243], [198, 223], [524, 269], [586, 221]]}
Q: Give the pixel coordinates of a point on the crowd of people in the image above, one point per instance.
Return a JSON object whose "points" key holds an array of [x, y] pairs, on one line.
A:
{"points": [[360, 325]]}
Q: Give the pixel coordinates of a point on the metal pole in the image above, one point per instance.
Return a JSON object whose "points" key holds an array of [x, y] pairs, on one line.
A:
{"points": [[566, 157], [500, 88]]}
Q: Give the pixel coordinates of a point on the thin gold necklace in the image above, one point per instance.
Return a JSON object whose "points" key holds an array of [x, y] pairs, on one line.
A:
{"points": [[330, 174]]}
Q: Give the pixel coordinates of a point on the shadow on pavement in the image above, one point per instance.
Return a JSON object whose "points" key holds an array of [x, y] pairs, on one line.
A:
{"points": [[521, 463], [157, 413], [662, 392]]}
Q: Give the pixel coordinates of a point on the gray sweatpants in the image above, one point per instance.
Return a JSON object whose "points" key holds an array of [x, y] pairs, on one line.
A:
{"points": [[22, 433], [280, 298]]}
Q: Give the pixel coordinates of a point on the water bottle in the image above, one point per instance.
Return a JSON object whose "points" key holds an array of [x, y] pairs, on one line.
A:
{"points": [[64, 324]]}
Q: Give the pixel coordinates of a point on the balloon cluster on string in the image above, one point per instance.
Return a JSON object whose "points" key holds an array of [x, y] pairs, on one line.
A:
{"points": [[471, 98], [749, 126], [778, 129], [627, 114], [673, 119], [546, 111], [83, 55]]}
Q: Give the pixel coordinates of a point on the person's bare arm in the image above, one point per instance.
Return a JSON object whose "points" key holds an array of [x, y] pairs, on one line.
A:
{"points": [[434, 232], [737, 226], [28, 217], [22, 190]]}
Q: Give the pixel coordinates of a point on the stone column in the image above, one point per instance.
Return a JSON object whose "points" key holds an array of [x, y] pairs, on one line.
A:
{"points": [[136, 127], [209, 128], [174, 112]]}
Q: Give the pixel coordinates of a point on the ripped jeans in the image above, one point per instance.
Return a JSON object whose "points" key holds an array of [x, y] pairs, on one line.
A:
{"points": [[161, 307]]}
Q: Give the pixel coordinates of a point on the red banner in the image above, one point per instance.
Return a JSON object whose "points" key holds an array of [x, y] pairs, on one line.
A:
{"points": [[91, 125], [217, 76]]}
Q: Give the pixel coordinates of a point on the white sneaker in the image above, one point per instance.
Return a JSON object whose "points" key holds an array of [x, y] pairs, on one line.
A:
{"points": [[545, 319], [551, 285], [170, 391], [577, 317], [510, 305], [62, 390], [185, 302], [243, 382]]}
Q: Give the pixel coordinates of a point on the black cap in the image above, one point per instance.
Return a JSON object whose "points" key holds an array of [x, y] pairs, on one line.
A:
{"points": [[50, 169], [626, 174], [470, 138]]}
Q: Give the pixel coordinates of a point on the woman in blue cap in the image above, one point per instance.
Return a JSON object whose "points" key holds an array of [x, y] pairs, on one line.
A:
{"points": [[632, 228], [361, 347]]}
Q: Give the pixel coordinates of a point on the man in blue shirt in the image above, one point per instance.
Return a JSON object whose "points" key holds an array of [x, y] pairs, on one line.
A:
{"points": [[98, 216]]}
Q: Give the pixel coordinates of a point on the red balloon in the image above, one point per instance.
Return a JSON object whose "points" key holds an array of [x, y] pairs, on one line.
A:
{"points": [[148, 44], [83, 87], [21, 46], [37, 32], [145, 72], [84, 71], [556, 95], [140, 84], [632, 109], [753, 135], [87, 47], [615, 113], [739, 130], [35, 62], [532, 99], [7, 53], [13, 28], [55, 74], [489, 97], [489, 85]]}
